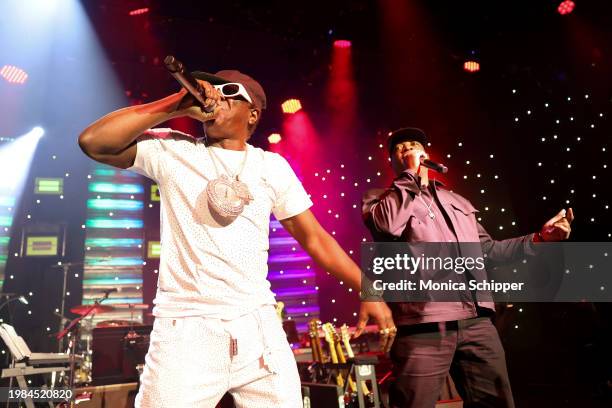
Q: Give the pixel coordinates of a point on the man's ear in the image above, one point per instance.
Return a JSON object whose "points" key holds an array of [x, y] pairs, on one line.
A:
{"points": [[254, 116]]}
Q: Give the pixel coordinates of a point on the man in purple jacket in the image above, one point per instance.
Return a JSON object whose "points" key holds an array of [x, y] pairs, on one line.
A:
{"points": [[434, 338]]}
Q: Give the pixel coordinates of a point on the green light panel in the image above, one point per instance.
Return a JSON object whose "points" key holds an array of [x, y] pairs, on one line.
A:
{"points": [[41, 246], [7, 201], [114, 239], [106, 282], [6, 220], [113, 188], [110, 204], [155, 193], [112, 172], [113, 242], [49, 185], [113, 261], [153, 249], [114, 223]]}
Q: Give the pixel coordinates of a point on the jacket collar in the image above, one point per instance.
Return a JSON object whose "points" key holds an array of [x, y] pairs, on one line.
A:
{"points": [[414, 186]]}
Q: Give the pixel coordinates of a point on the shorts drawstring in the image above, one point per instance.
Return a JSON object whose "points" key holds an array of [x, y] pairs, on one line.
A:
{"points": [[268, 358]]}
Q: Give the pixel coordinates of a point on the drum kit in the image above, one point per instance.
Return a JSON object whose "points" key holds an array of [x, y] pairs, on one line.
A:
{"points": [[78, 333]]}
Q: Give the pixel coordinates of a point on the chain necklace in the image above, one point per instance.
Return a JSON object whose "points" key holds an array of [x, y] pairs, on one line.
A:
{"points": [[216, 158], [428, 206], [227, 195]]}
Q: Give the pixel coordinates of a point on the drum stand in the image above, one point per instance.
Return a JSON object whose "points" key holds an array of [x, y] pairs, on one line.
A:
{"points": [[72, 333]]}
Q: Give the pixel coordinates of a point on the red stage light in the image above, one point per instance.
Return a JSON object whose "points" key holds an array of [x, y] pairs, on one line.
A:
{"points": [[274, 138], [291, 106], [471, 66], [137, 12], [566, 7], [342, 44], [13, 74]]}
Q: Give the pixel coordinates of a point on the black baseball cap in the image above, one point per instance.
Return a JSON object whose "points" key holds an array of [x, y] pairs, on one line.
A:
{"points": [[255, 90], [403, 135]]}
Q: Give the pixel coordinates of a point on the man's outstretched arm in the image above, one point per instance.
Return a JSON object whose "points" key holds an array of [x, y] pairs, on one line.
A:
{"points": [[558, 228], [326, 252]]}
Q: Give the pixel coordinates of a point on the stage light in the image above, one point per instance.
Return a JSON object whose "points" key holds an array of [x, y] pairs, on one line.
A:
{"points": [[274, 138], [137, 12], [342, 44], [13, 74], [36, 133], [341, 98], [15, 158], [471, 66], [566, 7], [291, 106]]}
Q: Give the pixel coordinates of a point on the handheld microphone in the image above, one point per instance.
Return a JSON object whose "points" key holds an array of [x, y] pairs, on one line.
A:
{"points": [[439, 167], [187, 81]]}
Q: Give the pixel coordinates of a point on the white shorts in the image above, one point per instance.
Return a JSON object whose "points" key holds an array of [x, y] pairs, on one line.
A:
{"points": [[189, 363]]}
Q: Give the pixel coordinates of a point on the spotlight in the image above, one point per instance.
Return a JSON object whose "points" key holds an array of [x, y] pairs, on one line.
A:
{"points": [[137, 12], [13, 74], [291, 106], [471, 66], [274, 138], [566, 7], [37, 132], [15, 159], [342, 44]]}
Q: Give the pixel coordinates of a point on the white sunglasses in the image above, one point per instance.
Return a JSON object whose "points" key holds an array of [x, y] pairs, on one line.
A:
{"points": [[233, 89]]}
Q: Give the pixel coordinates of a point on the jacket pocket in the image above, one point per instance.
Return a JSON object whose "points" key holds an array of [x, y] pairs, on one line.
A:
{"points": [[465, 208], [463, 216]]}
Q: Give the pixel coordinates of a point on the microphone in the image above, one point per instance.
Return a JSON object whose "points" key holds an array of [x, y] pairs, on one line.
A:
{"points": [[439, 167], [16, 296], [187, 81], [11, 297]]}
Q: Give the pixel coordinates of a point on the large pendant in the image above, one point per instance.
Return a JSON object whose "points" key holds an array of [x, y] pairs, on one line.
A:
{"points": [[227, 197], [242, 190]]}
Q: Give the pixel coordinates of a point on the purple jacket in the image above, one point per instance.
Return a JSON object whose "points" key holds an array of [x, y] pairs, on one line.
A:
{"points": [[395, 214]]}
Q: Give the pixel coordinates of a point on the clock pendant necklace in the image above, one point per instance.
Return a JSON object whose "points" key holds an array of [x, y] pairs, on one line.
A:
{"points": [[227, 195]]}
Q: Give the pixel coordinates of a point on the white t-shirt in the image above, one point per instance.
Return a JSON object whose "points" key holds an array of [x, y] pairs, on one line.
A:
{"points": [[208, 268]]}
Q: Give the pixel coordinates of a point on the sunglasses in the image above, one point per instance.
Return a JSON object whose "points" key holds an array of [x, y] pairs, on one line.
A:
{"points": [[233, 89], [406, 144]]}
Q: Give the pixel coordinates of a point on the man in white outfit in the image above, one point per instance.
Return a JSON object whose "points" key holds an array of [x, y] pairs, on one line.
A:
{"points": [[216, 330]]}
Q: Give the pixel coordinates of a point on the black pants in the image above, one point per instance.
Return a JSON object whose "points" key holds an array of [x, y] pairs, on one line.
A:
{"points": [[470, 349]]}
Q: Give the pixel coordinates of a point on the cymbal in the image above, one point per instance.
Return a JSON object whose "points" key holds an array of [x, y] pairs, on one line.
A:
{"points": [[82, 309], [117, 323], [134, 306]]}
